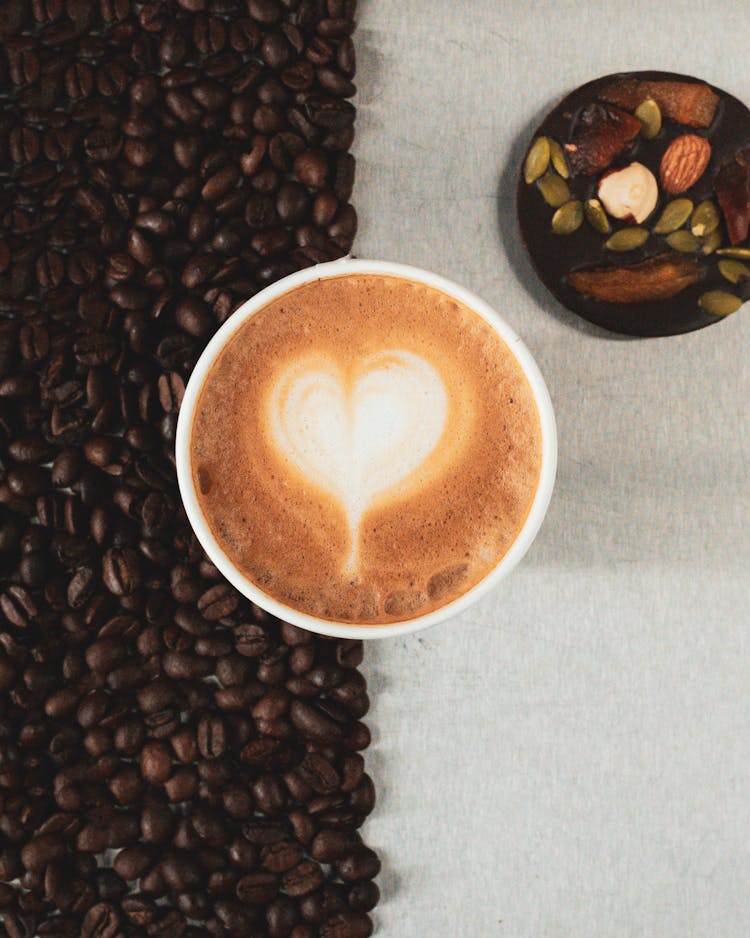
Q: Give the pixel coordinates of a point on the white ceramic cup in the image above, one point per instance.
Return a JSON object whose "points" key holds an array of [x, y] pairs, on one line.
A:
{"points": [[510, 559]]}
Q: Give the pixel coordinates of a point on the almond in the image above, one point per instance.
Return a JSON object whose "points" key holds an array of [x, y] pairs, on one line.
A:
{"points": [[684, 162]]}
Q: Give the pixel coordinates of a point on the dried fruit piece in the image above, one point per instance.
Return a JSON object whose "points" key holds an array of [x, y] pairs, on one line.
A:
{"points": [[630, 193], [734, 271], [537, 160], [683, 241], [656, 278], [568, 218], [705, 219], [719, 302], [743, 253], [649, 115], [732, 187], [674, 216], [686, 102], [596, 216], [710, 242], [684, 162], [557, 155], [627, 239], [555, 191], [600, 134]]}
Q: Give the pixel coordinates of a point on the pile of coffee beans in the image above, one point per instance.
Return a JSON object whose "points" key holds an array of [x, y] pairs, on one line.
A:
{"points": [[173, 762]]}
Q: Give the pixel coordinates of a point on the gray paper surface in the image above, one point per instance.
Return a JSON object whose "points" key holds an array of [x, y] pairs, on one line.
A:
{"points": [[571, 758]]}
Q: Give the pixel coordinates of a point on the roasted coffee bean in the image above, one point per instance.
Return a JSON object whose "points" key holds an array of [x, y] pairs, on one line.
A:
{"points": [[292, 203], [180, 871], [220, 183], [132, 862], [304, 878], [212, 737], [311, 168], [38, 853], [121, 570], [266, 12], [269, 794], [313, 723], [156, 762], [281, 857], [157, 823], [101, 921], [218, 602], [346, 925], [192, 315], [257, 888], [363, 863]]}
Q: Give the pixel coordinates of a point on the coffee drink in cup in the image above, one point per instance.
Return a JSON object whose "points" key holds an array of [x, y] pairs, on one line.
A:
{"points": [[365, 448]]}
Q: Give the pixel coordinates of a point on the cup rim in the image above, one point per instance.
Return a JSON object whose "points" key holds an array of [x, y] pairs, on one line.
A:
{"points": [[336, 629]]}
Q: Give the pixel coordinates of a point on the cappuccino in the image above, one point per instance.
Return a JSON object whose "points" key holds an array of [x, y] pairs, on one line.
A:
{"points": [[365, 448]]}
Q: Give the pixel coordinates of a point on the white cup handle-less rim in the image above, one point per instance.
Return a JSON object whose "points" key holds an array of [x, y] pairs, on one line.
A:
{"points": [[509, 560]]}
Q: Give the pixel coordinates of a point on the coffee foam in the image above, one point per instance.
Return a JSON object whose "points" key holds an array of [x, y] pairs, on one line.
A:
{"points": [[365, 448], [357, 432]]}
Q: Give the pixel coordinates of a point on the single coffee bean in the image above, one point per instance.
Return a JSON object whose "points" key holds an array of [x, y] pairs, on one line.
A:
{"points": [[104, 654], [220, 183], [180, 871], [101, 921], [132, 862], [212, 737], [304, 878], [282, 856], [198, 269], [311, 168], [157, 823], [292, 203], [156, 762], [126, 786], [360, 864], [281, 916], [363, 896], [192, 315], [313, 723], [330, 845], [266, 12], [346, 925], [257, 888], [121, 570], [218, 602], [38, 853]]}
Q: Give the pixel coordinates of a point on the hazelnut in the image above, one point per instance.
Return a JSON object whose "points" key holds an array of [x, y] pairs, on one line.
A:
{"points": [[629, 193]]}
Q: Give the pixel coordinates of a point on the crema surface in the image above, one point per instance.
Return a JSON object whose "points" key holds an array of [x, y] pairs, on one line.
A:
{"points": [[365, 448]]}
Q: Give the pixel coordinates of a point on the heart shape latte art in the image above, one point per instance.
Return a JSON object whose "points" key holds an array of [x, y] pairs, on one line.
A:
{"points": [[358, 433]]}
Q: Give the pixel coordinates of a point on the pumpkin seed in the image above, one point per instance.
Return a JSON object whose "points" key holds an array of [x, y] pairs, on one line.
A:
{"points": [[596, 216], [555, 191], [683, 241], [537, 160], [742, 253], [627, 239], [734, 271], [557, 155], [711, 242], [719, 302], [674, 216], [705, 219], [649, 115], [568, 218]]}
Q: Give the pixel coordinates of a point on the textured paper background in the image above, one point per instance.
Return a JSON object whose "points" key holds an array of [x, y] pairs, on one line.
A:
{"points": [[571, 759]]}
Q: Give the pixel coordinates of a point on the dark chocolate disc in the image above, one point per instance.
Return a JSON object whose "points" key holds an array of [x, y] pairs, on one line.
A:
{"points": [[557, 256]]}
